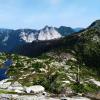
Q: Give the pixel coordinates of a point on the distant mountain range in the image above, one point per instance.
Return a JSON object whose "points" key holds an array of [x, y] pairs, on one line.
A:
{"points": [[10, 39], [85, 42]]}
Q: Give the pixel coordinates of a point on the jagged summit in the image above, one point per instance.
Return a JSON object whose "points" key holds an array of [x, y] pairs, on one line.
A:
{"points": [[46, 26], [48, 33]]}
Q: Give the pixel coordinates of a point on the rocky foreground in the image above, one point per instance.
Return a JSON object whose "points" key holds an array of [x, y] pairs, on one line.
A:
{"points": [[15, 91], [36, 97]]}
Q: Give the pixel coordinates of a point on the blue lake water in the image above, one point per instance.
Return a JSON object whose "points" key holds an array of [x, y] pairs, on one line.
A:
{"points": [[3, 70]]}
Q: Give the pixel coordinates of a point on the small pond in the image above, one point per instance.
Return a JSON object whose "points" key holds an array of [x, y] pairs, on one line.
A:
{"points": [[3, 70]]}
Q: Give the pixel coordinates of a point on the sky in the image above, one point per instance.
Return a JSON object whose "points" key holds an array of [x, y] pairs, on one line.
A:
{"points": [[35, 14]]}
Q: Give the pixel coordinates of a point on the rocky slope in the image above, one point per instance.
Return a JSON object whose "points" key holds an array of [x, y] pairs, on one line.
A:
{"points": [[57, 71]]}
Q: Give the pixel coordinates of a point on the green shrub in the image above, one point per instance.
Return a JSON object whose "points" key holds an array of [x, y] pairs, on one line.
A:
{"points": [[77, 87], [91, 88]]}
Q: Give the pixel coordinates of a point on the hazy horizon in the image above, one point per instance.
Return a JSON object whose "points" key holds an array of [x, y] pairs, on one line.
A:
{"points": [[35, 14]]}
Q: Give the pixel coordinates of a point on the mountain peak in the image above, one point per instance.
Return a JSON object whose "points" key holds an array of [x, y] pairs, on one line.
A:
{"points": [[48, 33], [95, 24], [64, 27], [46, 27]]}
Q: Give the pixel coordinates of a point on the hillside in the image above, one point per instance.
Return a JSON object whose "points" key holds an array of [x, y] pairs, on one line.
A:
{"points": [[57, 71]]}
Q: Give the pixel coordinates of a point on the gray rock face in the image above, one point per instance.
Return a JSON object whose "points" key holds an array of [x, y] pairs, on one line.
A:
{"points": [[19, 97], [37, 97], [35, 89], [4, 84]]}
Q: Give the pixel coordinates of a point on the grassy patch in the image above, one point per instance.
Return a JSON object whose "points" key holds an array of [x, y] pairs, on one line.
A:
{"points": [[7, 92]]}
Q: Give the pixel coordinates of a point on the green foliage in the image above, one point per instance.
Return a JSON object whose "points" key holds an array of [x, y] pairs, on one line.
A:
{"points": [[88, 49], [84, 88], [91, 88], [77, 87], [52, 81], [7, 92], [37, 66]]}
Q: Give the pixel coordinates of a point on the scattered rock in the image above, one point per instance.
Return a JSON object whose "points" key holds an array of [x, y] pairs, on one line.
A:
{"points": [[17, 87], [74, 98], [4, 84], [95, 82], [35, 89]]}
